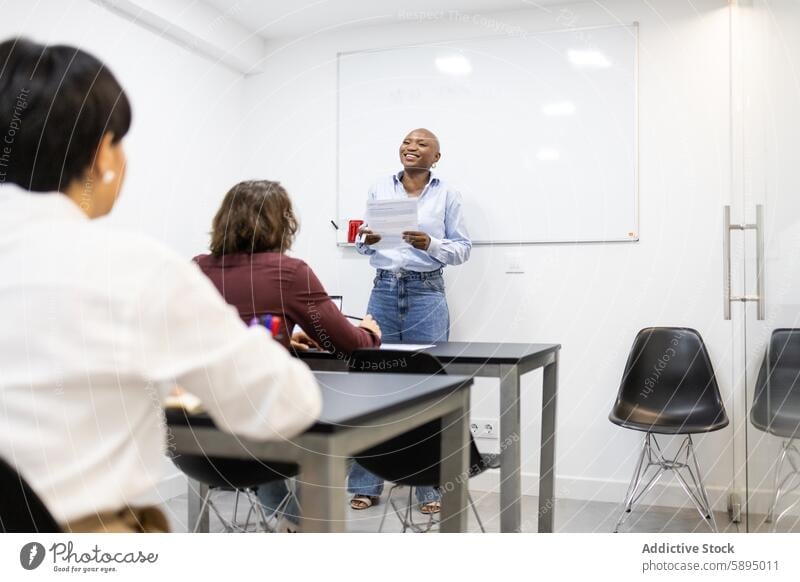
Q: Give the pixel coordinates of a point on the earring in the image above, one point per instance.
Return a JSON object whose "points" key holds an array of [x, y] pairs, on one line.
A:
{"points": [[433, 165], [108, 176]]}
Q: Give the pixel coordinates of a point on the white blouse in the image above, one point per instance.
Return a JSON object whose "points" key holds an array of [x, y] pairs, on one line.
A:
{"points": [[95, 327]]}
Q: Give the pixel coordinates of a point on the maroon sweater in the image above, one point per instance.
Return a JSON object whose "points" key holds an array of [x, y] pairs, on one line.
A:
{"points": [[273, 283]]}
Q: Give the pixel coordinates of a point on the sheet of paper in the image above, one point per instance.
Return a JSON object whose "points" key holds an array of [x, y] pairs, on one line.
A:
{"points": [[390, 218], [406, 347]]}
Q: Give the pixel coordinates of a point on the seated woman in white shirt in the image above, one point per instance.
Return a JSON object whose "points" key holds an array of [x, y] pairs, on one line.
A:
{"points": [[99, 325]]}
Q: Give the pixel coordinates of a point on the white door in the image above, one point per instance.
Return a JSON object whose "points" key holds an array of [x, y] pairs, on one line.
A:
{"points": [[766, 268]]}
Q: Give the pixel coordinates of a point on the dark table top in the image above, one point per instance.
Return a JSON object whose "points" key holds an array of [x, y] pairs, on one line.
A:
{"points": [[472, 352], [355, 398]]}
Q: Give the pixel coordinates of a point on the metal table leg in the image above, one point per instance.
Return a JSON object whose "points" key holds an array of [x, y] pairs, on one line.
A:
{"points": [[322, 486], [547, 454], [455, 467], [196, 493], [510, 437]]}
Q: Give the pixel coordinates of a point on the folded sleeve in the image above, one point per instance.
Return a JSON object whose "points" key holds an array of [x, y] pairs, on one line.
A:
{"points": [[249, 384], [455, 247], [321, 319]]}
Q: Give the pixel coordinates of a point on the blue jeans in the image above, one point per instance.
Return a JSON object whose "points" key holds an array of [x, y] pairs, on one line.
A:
{"points": [[271, 494], [411, 308]]}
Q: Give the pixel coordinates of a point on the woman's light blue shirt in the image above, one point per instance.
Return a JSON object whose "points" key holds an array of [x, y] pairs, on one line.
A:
{"points": [[440, 216]]}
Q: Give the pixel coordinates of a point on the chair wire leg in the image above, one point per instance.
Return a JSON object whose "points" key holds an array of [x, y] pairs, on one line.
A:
{"points": [[703, 492], [697, 502], [788, 483], [283, 506], [650, 484], [277, 512], [236, 508], [410, 511], [389, 502], [203, 507], [653, 450], [638, 474], [251, 512], [227, 525], [693, 489], [422, 527], [257, 510], [406, 515], [292, 487], [684, 459], [776, 487], [403, 516], [475, 510]]}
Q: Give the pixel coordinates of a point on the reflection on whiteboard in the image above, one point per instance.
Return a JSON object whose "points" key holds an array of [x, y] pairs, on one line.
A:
{"points": [[538, 132]]}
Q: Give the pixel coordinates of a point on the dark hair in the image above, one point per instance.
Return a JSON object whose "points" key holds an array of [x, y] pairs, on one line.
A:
{"points": [[56, 104], [255, 217]]}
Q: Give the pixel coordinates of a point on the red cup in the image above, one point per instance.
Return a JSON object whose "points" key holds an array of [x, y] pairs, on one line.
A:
{"points": [[352, 230]]}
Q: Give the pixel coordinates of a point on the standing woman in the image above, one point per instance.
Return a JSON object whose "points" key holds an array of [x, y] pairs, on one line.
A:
{"points": [[408, 297]]}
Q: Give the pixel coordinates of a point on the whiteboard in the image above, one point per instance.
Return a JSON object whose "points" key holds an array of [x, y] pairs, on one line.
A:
{"points": [[537, 131]]}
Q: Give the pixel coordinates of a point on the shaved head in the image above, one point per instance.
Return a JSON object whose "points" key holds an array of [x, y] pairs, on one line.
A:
{"points": [[424, 132], [419, 150]]}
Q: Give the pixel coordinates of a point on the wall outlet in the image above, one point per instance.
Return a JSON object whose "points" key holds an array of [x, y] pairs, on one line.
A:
{"points": [[514, 263], [485, 428]]}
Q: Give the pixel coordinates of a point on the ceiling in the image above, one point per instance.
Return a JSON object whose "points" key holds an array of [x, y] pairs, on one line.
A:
{"points": [[293, 18]]}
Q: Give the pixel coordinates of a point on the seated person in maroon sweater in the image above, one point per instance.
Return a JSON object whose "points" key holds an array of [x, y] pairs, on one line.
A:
{"points": [[251, 233]]}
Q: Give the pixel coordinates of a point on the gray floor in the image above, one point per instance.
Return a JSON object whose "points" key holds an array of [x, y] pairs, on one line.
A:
{"points": [[571, 516]]}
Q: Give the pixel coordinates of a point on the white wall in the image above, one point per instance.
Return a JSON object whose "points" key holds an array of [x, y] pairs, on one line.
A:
{"points": [[183, 149], [591, 298]]}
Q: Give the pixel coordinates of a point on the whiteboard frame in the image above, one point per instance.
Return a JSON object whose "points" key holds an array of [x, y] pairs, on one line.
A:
{"points": [[636, 226]]}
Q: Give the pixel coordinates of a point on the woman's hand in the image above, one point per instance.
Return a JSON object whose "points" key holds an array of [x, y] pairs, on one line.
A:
{"points": [[370, 238], [370, 324], [418, 240], [301, 342]]}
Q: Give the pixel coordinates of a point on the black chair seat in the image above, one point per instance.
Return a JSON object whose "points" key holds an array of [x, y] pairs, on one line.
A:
{"points": [[21, 510], [491, 460], [673, 421], [413, 458], [784, 423], [222, 472], [776, 403], [669, 386], [232, 473]]}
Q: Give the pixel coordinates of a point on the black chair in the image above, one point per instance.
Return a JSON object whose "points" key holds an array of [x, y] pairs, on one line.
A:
{"points": [[669, 388], [21, 510], [776, 409], [412, 459], [223, 474]]}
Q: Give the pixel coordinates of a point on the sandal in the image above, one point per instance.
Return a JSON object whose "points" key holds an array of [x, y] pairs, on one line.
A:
{"points": [[431, 507], [359, 502]]}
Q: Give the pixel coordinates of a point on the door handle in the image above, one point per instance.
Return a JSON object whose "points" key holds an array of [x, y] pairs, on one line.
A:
{"points": [[727, 228]]}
